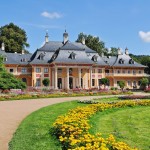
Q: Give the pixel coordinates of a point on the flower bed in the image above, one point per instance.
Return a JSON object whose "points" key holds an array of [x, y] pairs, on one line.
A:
{"points": [[72, 129], [133, 97], [22, 95]]}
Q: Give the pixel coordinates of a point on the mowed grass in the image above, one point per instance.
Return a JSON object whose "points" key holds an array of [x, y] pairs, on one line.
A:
{"points": [[34, 132], [130, 124]]}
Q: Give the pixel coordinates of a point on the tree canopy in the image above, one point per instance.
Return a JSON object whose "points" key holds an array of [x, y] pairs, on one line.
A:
{"points": [[93, 42], [14, 38]]}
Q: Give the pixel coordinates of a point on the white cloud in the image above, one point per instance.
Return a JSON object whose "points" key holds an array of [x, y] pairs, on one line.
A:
{"points": [[52, 15], [145, 36]]}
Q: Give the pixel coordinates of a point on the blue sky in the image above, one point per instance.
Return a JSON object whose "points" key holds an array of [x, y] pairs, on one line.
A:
{"points": [[119, 23]]}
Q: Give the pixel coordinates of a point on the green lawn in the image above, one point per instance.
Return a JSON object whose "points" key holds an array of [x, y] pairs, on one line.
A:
{"points": [[33, 132], [130, 124]]}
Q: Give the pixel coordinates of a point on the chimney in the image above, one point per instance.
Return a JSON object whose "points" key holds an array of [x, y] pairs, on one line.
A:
{"points": [[3, 47], [65, 36], [46, 38], [119, 51], [83, 40], [126, 51], [22, 52]]}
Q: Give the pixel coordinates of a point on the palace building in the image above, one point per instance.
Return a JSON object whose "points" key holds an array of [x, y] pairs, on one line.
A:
{"points": [[69, 65]]}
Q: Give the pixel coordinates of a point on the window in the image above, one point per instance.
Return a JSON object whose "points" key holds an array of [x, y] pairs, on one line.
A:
{"points": [[72, 55], [129, 71], [140, 72], [134, 72], [70, 71], [134, 83], [23, 70], [38, 82], [93, 70], [118, 83], [94, 58], [23, 60], [5, 59], [24, 80], [129, 83], [38, 70], [139, 83], [59, 70], [121, 61], [118, 71], [45, 70], [99, 70], [93, 82], [131, 61], [11, 70], [123, 71], [41, 56]]}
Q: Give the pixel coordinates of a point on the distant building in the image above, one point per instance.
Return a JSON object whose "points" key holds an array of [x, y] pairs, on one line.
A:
{"points": [[71, 65]]}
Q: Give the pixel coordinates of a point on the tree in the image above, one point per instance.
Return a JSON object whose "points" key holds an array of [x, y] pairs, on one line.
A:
{"points": [[104, 81], [93, 43], [46, 82], [113, 51], [14, 38], [144, 82], [8, 80], [121, 84]]}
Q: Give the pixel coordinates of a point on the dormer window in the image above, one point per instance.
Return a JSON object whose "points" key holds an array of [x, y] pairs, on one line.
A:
{"points": [[121, 61], [5, 59], [23, 60], [72, 55], [41, 56], [131, 61], [94, 58]]}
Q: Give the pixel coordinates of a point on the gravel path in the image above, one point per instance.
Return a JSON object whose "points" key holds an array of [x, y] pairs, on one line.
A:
{"points": [[13, 112]]}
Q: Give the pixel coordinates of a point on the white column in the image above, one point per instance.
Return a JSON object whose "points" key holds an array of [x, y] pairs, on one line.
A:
{"points": [[79, 73], [91, 77], [67, 79], [56, 78]]}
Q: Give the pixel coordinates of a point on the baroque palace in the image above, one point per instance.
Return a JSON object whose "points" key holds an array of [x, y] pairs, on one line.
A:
{"points": [[69, 65]]}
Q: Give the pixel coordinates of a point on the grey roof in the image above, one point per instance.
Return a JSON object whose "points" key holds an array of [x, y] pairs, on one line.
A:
{"points": [[115, 61], [71, 46], [63, 57], [35, 59], [51, 46], [100, 61], [109, 60], [16, 58], [87, 49]]}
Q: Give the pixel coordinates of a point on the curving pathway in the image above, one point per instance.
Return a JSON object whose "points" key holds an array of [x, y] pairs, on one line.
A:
{"points": [[13, 112]]}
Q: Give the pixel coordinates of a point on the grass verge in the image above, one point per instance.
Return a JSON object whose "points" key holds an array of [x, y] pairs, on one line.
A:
{"points": [[129, 124], [33, 132]]}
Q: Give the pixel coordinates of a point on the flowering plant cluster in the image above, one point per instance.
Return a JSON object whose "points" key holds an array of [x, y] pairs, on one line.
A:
{"points": [[72, 128], [133, 97]]}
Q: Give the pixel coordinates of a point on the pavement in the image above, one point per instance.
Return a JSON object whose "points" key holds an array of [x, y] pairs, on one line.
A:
{"points": [[13, 112]]}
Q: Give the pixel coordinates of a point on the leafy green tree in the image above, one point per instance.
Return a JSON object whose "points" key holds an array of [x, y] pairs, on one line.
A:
{"points": [[46, 82], [93, 43], [8, 80], [144, 82], [121, 84], [14, 38], [113, 51], [104, 81]]}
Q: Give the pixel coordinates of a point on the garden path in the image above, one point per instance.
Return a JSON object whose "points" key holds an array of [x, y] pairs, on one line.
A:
{"points": [[13, 112]]}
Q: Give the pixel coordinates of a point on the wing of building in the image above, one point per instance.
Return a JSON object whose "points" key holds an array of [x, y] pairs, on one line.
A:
{"points": [[70, 65]]}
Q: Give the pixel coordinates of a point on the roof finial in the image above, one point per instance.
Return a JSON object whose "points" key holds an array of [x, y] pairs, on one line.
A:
{"points": [[126, 51], [65, 37], [46, 37]]}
